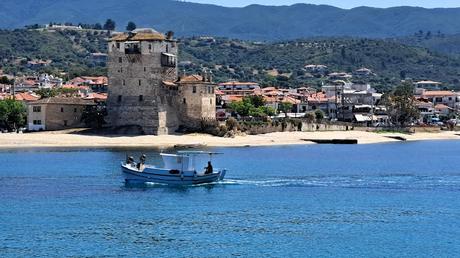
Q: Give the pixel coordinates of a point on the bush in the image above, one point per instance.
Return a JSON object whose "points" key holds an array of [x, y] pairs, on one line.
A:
{"points": [[319, 115], [310, 117], [232, 124]]}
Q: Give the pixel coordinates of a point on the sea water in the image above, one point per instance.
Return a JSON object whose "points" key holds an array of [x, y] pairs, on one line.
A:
{"points": [[380, 200]]}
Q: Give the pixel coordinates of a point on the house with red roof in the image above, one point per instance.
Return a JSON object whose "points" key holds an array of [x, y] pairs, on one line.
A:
{"points": [[239, 88], [448, 98]]}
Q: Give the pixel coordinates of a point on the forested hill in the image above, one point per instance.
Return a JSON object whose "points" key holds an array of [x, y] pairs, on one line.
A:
{"points": [[436, 41], [279, 64], [255, 22]]}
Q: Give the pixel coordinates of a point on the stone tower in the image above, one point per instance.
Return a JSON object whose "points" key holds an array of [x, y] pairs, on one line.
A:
{"points": [[138, 63]]}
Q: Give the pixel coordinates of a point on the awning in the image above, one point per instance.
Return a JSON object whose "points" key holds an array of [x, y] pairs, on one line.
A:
{"points": [[168, 54], [362, 118]]}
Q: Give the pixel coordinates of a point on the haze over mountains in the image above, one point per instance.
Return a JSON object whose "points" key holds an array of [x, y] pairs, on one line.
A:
{"points": [[252, 22]]}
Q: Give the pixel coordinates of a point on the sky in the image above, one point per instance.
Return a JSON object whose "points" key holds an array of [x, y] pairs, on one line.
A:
{"points": [[339, 3]]}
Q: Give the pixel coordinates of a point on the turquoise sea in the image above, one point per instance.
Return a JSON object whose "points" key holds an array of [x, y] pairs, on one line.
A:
{"points": [[380, 200]]}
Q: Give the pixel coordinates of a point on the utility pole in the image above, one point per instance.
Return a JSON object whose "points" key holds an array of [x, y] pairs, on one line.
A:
{"points": [[14, 88], [341, 100]]}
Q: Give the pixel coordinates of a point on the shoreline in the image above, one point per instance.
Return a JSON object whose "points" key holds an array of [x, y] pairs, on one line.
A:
{"points": [[66, 139]]}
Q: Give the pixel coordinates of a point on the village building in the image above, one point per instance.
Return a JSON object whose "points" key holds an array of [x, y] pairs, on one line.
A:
{"points": [[36, 64], [427, 85], [56, 113], [320, 101], [363, 73], [448, 98], [239, 88], [316, 69], [97, 84], [98, 58], [340, 76], [144, 89], [61, 27]]}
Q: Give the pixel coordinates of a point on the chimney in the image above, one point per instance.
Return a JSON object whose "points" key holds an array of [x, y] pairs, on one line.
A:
{"points": [[169, 35]]}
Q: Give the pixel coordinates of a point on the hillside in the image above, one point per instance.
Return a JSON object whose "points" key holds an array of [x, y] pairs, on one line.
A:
{"points": [[391, 61], [436, 41], [254, 22], [279, 64], [68, 50]]}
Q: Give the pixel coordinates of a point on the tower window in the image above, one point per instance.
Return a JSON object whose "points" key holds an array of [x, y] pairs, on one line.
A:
{"points": [[210, 101], [120, 60], [75, 110], [185, 101], [118, 45], [194, 89], [167, 48], [62, 110], [124, 82], [168, 60], [141, 97], [140, 82], [132, 48], [119, 98], [145, 69]]}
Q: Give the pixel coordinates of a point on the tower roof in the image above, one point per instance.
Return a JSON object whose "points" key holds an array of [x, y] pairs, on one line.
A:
{"points": [[146, 34]]}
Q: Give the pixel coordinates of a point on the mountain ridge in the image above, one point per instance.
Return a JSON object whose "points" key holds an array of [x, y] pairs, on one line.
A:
{"points": [[254, 22]]}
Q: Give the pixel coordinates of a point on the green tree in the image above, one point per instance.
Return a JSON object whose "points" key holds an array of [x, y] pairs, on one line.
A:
{"points": [[319, 115], [400, 104], [131, 26], [285, 107], [94, 116], [47, 93], [5, 80], [252, 106], [12, 114], [109, 25], [97, 26], [256, 101]]}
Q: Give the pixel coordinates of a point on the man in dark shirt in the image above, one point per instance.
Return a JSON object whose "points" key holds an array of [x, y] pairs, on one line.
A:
{"points": [[209, 168]]}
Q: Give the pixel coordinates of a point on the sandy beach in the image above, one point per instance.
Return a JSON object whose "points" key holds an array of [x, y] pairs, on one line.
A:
{"points": [[68, 140]]}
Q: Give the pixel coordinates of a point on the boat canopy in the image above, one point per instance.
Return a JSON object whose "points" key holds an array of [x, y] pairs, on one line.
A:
{"points": [[185, 160], [198, 153]]}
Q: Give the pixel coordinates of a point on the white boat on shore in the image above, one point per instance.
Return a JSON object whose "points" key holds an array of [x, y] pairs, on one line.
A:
{"points": [[182, 168]]}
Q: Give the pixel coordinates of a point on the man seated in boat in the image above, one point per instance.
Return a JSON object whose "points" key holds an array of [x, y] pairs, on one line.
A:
{"points": [[209, 168]]}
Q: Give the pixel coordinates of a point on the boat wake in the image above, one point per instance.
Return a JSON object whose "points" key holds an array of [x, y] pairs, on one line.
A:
{"points": [[377, 182]]}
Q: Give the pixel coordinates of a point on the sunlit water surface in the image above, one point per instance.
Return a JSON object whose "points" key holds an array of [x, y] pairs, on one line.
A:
{"points": [[383, 200]]}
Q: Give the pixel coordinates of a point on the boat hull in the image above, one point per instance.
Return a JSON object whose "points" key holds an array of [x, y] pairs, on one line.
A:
{"points": [[133, 175]]}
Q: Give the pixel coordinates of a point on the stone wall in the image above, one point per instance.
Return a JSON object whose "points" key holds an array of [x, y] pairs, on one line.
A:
{"points": [[291, 126]]}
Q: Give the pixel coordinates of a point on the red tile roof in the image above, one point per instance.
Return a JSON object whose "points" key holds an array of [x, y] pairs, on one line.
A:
{"points": [[441, 107], [435, 93], [26, 97], [191, 78], [237, 83]]}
